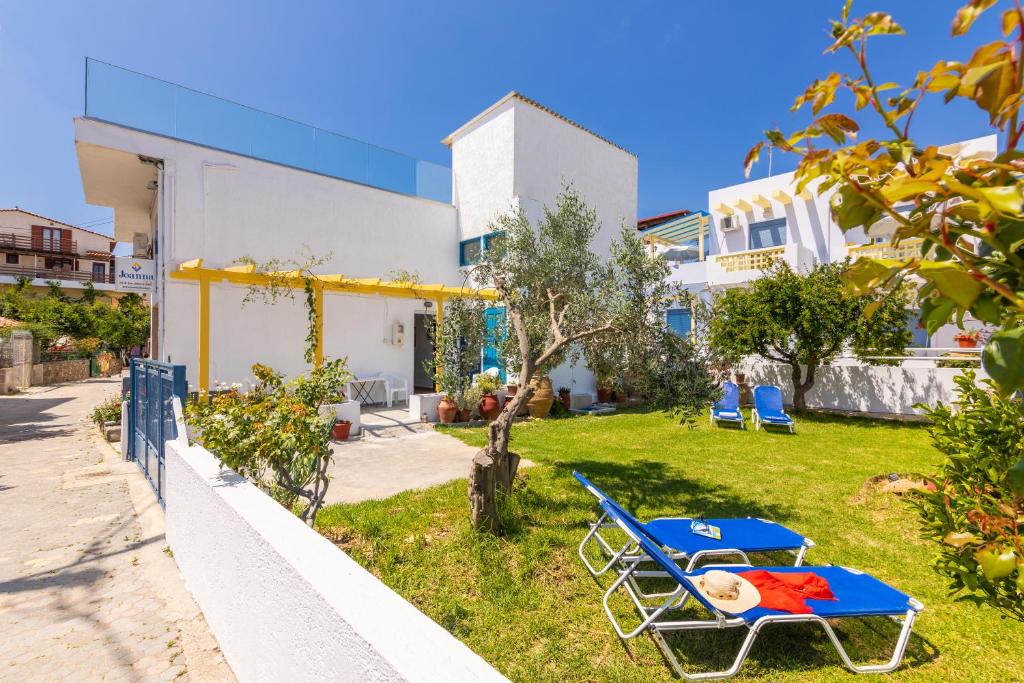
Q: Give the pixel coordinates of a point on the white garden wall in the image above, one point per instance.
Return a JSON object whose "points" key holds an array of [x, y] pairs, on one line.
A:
{"points": [[863, 388], [283, 602]]}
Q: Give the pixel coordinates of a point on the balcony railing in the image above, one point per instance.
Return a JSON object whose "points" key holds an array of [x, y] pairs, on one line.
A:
{"points": [[755, 259], [906, 250], [16, 242], [55, 274], [144, 103]]}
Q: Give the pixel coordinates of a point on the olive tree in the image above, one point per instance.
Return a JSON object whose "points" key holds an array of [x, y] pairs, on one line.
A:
{"points": [[805, 320], [557, 292]]}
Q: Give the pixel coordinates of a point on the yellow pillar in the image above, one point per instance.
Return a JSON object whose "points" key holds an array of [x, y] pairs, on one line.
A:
{"points": [[204, 335], [700, 237], [318, 307], [439, 323]]}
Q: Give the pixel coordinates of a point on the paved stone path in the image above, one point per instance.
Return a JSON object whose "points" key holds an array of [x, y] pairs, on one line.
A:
{"points": [[87, 589]]}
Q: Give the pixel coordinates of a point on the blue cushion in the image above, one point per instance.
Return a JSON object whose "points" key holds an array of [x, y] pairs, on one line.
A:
{"points": [[748, 535]]}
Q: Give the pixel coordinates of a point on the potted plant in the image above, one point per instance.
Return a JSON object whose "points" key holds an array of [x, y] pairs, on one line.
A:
{"points": [[340, 430], [539, 404], [967, 339], [489, 407], [467, 401], [447, 410], [565, 396], [457, 356]]}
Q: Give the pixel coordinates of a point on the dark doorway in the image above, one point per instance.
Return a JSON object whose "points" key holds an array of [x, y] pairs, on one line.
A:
{"points": [[423, 353]]}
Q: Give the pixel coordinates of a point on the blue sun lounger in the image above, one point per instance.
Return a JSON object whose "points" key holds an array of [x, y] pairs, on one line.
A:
{"points": [[728, 408], [768, 408], [740, 535], [859, 595]]}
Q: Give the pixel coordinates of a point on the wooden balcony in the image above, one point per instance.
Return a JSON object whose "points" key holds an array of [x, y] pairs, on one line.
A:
{"points": [[55, 274], [11, 241], [907, 250], [755, 259]]}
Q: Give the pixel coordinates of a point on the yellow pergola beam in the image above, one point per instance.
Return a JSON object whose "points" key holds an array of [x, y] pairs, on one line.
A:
{"points": [[761, 201], [724, 209], [781, 197], [743, 206], [805, 195], [247, 275]]}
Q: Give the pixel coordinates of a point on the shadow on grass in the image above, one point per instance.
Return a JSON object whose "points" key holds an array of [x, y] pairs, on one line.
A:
{"points": [[648, 485]]}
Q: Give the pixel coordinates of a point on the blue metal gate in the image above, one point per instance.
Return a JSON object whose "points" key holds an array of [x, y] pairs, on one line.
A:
{"points": [[152, 385]]}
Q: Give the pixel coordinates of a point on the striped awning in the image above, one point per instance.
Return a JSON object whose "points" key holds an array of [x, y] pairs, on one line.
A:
{"points": [[680, 230]]}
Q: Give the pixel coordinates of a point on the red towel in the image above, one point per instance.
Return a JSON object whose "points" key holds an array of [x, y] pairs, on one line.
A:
{"points": [[787, 592]]}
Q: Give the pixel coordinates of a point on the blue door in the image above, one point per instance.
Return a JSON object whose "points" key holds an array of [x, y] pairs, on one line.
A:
{"points": [[493, 341], [680, 321]]}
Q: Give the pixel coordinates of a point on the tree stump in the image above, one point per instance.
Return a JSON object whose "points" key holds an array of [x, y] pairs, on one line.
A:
{"points": [[483, 504]]}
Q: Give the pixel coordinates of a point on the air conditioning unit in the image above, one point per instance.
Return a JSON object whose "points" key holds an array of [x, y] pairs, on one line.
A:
{"points": [[729, 223]]}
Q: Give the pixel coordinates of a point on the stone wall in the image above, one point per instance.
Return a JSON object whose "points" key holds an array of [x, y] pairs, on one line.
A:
{"points": [[60, 371]]}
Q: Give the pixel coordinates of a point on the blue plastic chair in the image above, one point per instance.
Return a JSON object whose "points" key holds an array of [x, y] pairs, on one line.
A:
{"points": [[859, 595], [768, 408], [740, 535], [728, 408]]}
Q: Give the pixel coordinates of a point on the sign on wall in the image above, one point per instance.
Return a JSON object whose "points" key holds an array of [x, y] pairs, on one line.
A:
{"points": [[134, 274]]}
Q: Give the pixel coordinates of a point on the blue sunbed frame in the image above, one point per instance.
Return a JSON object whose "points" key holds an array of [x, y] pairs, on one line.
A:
{"points": [[859, 595], [728, 408], [740, 536], [768, 409]]}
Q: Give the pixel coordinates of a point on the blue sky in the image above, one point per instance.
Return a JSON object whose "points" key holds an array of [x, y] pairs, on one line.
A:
{"points": [[687, 86]]}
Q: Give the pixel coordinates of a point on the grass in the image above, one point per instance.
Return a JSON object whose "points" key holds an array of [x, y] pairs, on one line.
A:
{"points": [[525, 603]]}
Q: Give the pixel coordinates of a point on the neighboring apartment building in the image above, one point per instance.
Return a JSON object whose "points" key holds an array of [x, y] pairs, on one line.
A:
{"points": [[44, 249], [753, 224], [190, 176]]}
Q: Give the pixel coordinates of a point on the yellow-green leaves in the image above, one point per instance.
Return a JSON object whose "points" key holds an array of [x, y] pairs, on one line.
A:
{"points": [[1003, 359], [967, 15], [839, 127], [820, 93], [867, 274], [1010, 21], [952, 281]]}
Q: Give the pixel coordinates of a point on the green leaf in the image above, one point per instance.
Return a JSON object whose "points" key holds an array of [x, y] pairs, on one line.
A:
{"points": [[935, 312], [1016, 478], [1003, 359], [952, 281], [1006, 199], [987, 309]]}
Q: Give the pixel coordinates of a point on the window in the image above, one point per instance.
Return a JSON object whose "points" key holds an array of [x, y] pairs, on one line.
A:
{"points": [[472, 249], [11, 259], [768, 234], [59, 263], [680, 321], [99, 272]]}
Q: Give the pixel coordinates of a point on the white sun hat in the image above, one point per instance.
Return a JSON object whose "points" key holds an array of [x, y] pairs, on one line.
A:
{"points": [[727, 592]]}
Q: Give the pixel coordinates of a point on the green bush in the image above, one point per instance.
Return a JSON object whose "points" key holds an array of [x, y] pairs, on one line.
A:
{"points": [[108, 411], [976, 513]]}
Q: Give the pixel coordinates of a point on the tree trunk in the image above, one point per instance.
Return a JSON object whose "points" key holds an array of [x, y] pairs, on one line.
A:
{"points": [[802, 383], [494, 467]]}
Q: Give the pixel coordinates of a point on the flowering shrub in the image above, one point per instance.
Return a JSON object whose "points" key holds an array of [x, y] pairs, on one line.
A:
{"points": [[275, 435], [977, 509]]}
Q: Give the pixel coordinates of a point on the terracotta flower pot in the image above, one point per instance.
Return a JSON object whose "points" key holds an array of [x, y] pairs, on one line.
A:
{"points": [[489, 407], [539, 404], [604, 394], [967, 343], [446, 411], [463, 415], [566, 398], [341, 429]]}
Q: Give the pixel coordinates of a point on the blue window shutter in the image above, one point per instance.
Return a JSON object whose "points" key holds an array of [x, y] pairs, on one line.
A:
{"points": [[768, 234], [680, 321]]}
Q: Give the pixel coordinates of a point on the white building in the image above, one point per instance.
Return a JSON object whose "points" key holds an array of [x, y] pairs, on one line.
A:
{"points": [[45, 249], [755, 223], [190, 176]]}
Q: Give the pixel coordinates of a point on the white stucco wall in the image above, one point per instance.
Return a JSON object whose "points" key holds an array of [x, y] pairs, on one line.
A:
{"points": [[863, 388], [483, 170], [283, 602], [220, 206]]}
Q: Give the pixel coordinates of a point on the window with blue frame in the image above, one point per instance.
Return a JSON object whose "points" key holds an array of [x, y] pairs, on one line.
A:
{"points": [[768, 234], [918, 332], [472, 249], [680, 321]]}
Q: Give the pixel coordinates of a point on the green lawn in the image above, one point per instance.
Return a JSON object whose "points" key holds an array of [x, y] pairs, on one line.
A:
{"points": [[525, 603]]}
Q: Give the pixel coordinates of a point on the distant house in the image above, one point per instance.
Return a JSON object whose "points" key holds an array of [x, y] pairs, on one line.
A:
{"points": [[45, 249]]}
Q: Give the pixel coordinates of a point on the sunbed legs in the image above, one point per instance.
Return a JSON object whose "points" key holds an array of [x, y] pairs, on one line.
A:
{"points": [[748, 642], [594, 534]]}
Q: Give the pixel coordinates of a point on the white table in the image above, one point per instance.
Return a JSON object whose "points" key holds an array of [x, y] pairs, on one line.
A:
{"points": [[362, 390]]}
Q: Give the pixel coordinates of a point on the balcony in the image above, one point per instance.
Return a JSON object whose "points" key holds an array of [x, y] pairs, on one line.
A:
{"points": [[906, 250], [10, 241], [133, 100], [54, 274], [740, 267]]}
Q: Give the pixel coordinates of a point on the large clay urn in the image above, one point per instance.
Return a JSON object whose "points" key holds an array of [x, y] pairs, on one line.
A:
{"points": [[539, 404], [489, 407], [446, 411]]}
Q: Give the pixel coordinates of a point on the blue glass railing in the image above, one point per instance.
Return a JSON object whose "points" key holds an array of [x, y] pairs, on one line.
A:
{"points": [[132, 99]]}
